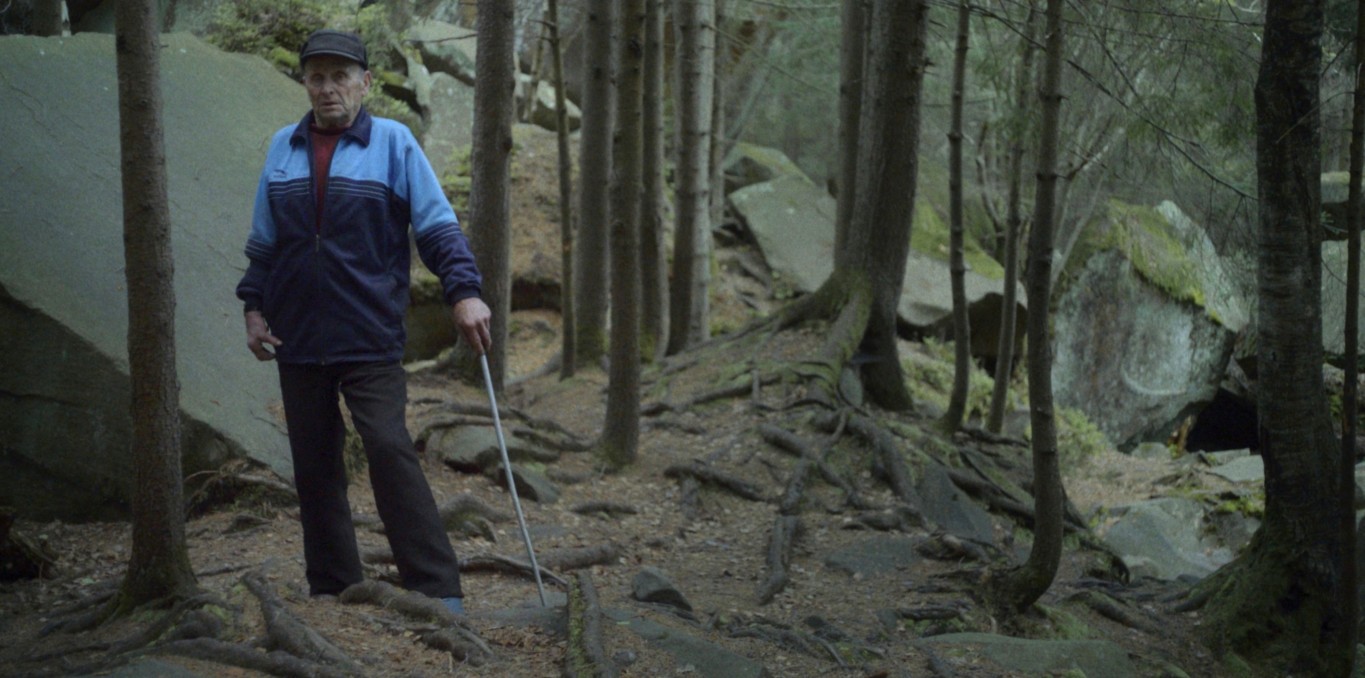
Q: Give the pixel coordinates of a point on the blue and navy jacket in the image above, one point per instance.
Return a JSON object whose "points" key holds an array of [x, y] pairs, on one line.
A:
{"points": [[335, 289]]}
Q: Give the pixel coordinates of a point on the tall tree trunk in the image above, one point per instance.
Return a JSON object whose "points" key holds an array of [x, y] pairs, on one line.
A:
{"points": [[720, 71], [594, 157], [962, 345], [695, 35], [621, 433], [653, 260], [1009, 307], [1351, 347], [1282, 601], [852, 63], [159, 565], [566, 225], [879, 235], [45, 18], [1026, 585], [531, 98], [490, 165]]}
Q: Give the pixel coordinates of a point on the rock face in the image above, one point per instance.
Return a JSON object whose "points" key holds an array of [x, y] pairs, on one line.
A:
{"points": [[1145, 325], [64, 423], [1334, 298], [792, 220]]}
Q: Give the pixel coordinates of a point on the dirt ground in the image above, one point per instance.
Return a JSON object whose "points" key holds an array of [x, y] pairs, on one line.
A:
{"points": [[715, 556], [713, 551]]}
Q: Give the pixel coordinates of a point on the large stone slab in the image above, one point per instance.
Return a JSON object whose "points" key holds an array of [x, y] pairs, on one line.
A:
{"points": [[874, 555], [1163, 538], [64, 393], [1145, 325], [951, 508], [706, 659], [1038, 657], [445, 48], [792, 220]]}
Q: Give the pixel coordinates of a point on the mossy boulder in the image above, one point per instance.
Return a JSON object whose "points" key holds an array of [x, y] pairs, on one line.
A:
{"points": [[65, 425], [1145, 323]]}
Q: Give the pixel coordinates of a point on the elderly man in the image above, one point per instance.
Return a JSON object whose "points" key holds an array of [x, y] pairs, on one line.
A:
{"points": [[325, 293]]}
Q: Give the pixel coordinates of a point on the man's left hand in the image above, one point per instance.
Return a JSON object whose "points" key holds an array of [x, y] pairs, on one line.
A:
{"points": [[472, 320]]}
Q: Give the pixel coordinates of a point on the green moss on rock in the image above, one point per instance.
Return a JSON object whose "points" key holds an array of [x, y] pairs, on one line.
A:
{"points": [[930, 235]]}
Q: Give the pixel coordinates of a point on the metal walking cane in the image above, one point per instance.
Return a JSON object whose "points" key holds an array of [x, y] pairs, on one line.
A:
{"points": [[511, 483]]}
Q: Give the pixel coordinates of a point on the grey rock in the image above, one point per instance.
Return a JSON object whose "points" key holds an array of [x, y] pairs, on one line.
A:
{"points": [[1242, 470], [445, 48], [952, 509], [449, 116], [1334, 298], [1138, 356], [474, 449], [874, 555], [1041, 657], [1224, 456], [543, 106], [1161, 538], [792, 220], [651, 585], [1151, 450], [531, 484], [63, 354], [707, 659]]}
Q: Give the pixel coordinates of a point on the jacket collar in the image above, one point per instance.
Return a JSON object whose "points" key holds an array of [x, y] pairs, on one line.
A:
{"points": [[358, 131]]}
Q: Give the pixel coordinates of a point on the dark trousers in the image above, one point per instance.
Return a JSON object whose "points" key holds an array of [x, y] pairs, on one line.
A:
{"points": [[376, 395]]}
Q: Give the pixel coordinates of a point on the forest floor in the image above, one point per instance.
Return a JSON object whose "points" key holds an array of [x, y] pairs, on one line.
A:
{"points": [[711, 544], [713, 551]]}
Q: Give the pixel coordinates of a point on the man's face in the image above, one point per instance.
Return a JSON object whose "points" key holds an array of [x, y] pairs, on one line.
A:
{"points": [[335, 88]]}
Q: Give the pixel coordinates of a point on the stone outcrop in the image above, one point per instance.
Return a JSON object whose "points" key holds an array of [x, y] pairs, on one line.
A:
{"points": [[1144, 324], [64, 422], [792, 220]]}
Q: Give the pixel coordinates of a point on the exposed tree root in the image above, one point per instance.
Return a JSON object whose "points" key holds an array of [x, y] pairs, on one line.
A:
{"points": [[928, 612], [691, 497], [585, 657], [711, 476], [784, 533], [944, 546], [725, 392], [787, 441], [453, 636], [897, 518], [237, 482], [611, 508], [565, 559], [1115, 610], [505, 565], [275, 663], [284, 631], [20, 556], [888, 453], [465, 506]]}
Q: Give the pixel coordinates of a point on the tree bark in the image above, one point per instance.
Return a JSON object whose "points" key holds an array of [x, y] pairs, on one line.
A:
{"points": [[566, 224], [879, 234], [962, 345], [1024, 586], [695, 36], [653, 259], [159, 565], [45, 18], [1351, 346], [621, 433], [489, 195], [1282, 602], [594, 157], [719, 140], [1009, 308], [852, 64]]}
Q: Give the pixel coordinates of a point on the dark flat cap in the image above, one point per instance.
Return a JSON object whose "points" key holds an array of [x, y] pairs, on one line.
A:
{"points": [[334, 43]]}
